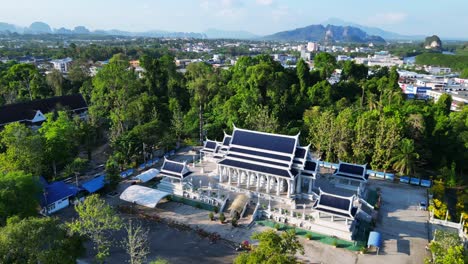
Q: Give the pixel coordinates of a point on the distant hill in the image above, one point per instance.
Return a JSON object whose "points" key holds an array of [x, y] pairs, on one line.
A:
{"points": [[44, 28], [388, 35], [38, 28], [223, 34], [5, 27], [329, 33]]}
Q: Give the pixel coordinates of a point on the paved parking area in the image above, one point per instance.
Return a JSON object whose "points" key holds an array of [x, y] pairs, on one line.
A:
{"points": [[403, 227]]}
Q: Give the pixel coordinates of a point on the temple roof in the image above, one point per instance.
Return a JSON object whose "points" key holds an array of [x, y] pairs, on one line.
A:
{"points": [[336, 205], [352, 171], [256, 167], [264, 141], [174, 169]]}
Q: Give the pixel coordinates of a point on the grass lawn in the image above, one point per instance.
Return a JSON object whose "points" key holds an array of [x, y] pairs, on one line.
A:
{"points": [[316, 236]]}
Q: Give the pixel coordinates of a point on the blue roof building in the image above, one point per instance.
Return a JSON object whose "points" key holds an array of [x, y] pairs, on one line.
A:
{"points": [[94, 184], [56, 195]]}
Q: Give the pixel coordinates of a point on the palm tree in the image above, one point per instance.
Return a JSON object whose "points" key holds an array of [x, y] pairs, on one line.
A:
{"points": [[405, 157]]}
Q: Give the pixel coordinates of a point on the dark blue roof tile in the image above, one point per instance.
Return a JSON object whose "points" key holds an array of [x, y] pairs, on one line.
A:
{"points": [[254, 167], [264, 141]]}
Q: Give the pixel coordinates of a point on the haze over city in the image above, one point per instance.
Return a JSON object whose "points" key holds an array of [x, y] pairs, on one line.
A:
{"points": [[257, 16]]}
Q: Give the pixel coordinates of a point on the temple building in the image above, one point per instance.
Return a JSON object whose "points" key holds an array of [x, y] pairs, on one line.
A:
{"points": [[263, 164]]}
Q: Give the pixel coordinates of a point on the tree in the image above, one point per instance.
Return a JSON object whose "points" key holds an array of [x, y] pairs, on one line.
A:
{"points": [[198, 82], [136, 243], [23, 150], [446, 248], [177, 123], [388, 135], [261, 119], [23, 82], [273, 248], [353, 71], [96, 219], [326, 63], [115, 88], [112, 172], [55, 80], [404, 158], [19, 193], [38, 240], [59, 137], [464, 74]]}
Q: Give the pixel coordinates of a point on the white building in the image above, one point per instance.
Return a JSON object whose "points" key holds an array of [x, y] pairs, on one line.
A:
{"points": [[312, 46], [62, 65]]}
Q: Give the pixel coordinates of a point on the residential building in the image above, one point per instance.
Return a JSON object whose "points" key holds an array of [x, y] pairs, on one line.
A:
{"points": [[62, 65], [33, 113], [56, 196], [312, 46]]}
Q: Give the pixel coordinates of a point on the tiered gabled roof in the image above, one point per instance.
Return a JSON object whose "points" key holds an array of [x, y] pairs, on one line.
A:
{"points": [[263, 152], [300, 156], [352, 171], [336, 205], [174, 169], [209, 146]]}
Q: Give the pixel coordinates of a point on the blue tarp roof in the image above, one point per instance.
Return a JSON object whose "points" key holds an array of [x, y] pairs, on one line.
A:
{"points": [[56, 191], [94, 185], [375, 239]]}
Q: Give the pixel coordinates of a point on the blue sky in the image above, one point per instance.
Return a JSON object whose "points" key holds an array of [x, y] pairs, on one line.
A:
{"points": [[446, 18]]}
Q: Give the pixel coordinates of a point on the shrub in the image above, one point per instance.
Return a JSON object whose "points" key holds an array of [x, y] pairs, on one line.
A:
{"points": [[211, 216], [363, 250], [198, 206], [234, 221], [277, 226], [216, 209], [335, 242], [308, 236], [222, 218]]}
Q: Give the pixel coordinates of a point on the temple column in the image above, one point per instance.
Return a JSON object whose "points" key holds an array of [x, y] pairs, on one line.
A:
{"points": [[220, 174], [229, 176], [248, 180], [299, 184], [278, 186], [258, 182], [289, 188], [268, 184], [310, 186], [239, 177]]}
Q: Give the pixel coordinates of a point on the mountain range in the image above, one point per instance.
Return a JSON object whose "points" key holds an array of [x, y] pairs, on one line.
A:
{"points": [[372, 30], [331, 30], [328, 33]]}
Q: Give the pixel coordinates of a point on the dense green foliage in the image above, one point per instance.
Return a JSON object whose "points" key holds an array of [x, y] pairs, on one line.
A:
{"points": [[38, 240], [447, 248], [272, 248], [455, 62], [19, 194]]}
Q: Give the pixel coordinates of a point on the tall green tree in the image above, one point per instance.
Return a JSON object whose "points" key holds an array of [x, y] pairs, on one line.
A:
{"points": [[19, 195], [96, 219], [198, 81], [60, 139], [23, 149], [325, 63], [38, 240], [56, 82], [404, 159]]}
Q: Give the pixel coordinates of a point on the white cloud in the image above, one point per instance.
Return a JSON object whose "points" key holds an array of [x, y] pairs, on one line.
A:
{"points": [[388, 18], [224, 8], [265, 2]]}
